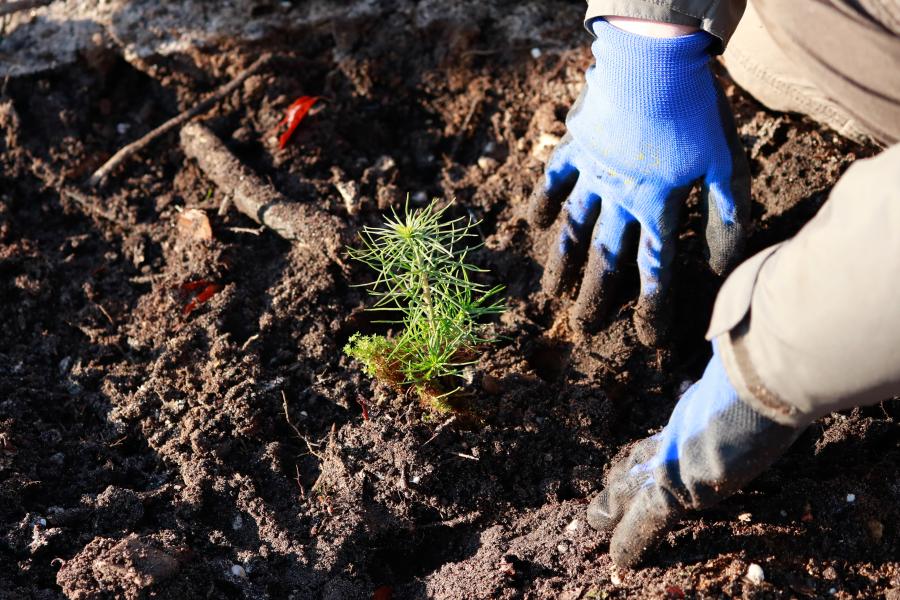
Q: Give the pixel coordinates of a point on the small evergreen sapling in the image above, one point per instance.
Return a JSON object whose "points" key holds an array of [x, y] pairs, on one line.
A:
{"points": [[423, 276]]}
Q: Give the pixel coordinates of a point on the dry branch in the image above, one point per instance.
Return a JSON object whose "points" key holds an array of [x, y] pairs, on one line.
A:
{"points": [[8, 8], [260, 200], [204, 105]]}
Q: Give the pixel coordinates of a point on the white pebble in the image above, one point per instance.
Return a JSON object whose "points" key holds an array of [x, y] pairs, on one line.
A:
{"points": [[832, 591], [783, 513], [851, 498], [238, 571], [237, 523], [535, 53], [420, 197], [563, 548], [573, 526], [415, 479], [755, 574], [615, 578], [122, 128]]}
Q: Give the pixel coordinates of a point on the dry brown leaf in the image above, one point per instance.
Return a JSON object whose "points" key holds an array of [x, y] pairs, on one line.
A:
{"points": [[195, 224]]}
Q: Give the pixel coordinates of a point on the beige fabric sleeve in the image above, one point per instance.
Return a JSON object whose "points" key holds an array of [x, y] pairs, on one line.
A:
{"points": [[813, 325], [718, 17]]}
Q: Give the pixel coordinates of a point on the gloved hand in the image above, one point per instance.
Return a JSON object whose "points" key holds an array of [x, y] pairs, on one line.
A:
{"points": [[650, 123], [713, 444]]}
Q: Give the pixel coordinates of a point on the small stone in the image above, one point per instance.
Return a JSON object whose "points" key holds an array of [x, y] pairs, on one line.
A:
{"points": [[487, 164], [237, 523], [755, 574], [832, 591], [122, 128], [851, 498], [535, 53], [489, 148], [876, 530], [420, 197], [783, 513], [563, 548], [415, 479], [745, 517], [573, 526], [546, 142], [615, 578], [238, 571]]}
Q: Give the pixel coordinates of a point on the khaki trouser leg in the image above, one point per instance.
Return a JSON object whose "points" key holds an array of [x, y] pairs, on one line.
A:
{"points": [[813, 325], [758, 65], [833, 61]]}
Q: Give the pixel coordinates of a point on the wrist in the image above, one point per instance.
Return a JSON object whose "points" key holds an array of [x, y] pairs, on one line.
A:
{"points": [[655, 29]]}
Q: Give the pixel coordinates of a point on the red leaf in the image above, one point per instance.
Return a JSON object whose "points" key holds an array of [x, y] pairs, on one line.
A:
{"points": [[208, 292], [385, 592], [365, 409], [192, 286], [295, 113]]}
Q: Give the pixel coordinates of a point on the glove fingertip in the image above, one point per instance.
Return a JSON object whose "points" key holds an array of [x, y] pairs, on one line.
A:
{"points": [[599, 515], [637, 533], [541, 210]]}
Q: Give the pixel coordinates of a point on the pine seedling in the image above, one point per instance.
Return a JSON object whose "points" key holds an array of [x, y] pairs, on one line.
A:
{"points": [[423, 278]]}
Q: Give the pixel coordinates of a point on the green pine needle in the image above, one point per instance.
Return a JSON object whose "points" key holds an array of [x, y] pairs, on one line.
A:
{"points": [[422, 273]]}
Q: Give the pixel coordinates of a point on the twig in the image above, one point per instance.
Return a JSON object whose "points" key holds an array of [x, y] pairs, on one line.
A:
{"points": [[204, 105], [8, 8], [296, 221], [469, 456], [439, 428], [245, 230], [287, 417]]}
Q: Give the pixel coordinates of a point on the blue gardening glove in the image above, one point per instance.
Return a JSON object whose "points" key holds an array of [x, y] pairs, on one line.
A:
{"points": [[650, 123], [713, 444]]}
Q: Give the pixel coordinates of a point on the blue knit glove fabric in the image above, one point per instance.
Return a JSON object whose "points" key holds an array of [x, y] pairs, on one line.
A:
{"points": [[651, 122], [713, 444]]}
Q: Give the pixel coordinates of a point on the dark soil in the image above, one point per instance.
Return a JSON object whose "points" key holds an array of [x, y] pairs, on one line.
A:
{"points": [[224, 454]]}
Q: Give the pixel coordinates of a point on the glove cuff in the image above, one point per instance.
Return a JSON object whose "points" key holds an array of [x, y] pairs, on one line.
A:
{"points": [[654, 76]]}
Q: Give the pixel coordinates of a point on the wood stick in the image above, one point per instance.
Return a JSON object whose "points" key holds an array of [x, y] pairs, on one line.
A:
{"points": [[258, 199], [8, 8], [136, 146]]}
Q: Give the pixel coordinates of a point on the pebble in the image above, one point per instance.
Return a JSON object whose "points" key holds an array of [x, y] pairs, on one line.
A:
{"points": [[573, 526], [237, 523], [122, 128], [783, 513], [755, 574], [535, 53], [563, 548], [238, 571], [851, 498], [486, 163], [420, 197], [615, 578], [415, 479]]}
